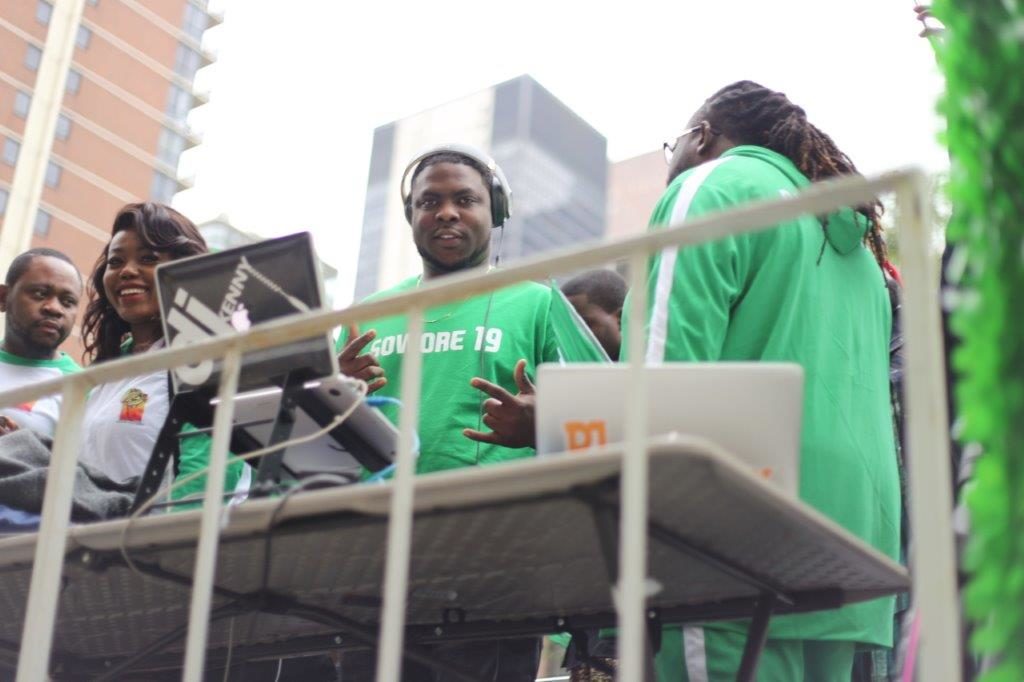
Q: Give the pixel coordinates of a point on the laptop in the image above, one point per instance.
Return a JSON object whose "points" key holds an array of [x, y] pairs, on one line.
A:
{"points": [[752, 410], [233, 290], [365, 439]]}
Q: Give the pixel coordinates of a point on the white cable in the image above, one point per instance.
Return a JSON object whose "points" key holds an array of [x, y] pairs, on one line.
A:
{"points": [[275, 287], [231, 643]]}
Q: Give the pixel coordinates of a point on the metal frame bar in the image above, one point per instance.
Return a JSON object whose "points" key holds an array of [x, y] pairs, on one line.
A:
{"points": [[601, 510], [209, 529], [934, 571], [243, 603], [933, 558], [396, 567], [469, 631], [630, 592], [757, 635], [48, 563]]}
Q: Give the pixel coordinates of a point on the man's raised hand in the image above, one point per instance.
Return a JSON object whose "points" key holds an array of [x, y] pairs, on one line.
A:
{"points": [[364, 366], [510, 417]]}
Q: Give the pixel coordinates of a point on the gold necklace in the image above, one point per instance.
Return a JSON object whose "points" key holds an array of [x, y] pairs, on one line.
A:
{"points": [[443, 317]]}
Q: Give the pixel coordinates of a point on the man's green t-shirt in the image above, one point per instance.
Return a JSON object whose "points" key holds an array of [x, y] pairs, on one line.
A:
{"points": [[483, 336]]}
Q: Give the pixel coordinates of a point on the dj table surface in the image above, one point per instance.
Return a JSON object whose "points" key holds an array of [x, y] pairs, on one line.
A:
{"points": [[528, 547]]}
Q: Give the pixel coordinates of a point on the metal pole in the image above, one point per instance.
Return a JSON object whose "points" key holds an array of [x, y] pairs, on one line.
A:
{"points": [[933, 562], [40, 125], [48, 564], [634, 488], [396, 571], [209, 530], [819, 198]]}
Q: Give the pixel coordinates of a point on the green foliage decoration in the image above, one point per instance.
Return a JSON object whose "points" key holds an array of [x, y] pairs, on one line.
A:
{"points": [[982, 57]]}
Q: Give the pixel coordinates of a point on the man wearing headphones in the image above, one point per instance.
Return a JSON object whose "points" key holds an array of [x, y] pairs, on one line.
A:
{"points": [[477, 354]]}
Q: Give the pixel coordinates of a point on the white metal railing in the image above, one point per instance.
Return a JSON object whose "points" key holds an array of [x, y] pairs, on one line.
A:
{"points": [[929, 468]]}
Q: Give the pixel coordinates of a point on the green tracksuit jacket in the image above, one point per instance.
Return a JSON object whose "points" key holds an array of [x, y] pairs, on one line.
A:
{"points": [[793, 293]]}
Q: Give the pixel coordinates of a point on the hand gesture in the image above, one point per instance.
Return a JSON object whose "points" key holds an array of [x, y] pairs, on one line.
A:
{"points": [[358, 366], [510, 417]]}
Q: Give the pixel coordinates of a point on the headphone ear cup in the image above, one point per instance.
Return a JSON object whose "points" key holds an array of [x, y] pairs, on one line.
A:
{"points": [[408, 210], [499, 203]]}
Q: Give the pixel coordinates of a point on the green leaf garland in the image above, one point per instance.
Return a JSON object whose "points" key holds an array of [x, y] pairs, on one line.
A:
{"points": [[982, 56]]}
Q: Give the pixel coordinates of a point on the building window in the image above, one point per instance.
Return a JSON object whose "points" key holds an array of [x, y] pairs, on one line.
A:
{"points": [[11, 149], [186, 62], [83, 37], [32, 57], [21, 104], [63, 127], [3, 200], [44, 11], [53, 173], [74, 83], [42, 224], [170, 147], [179, 103], [163, 188]]}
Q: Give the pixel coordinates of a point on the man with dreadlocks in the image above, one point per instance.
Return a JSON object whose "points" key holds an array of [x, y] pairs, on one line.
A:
{"points": [[810, 291]]}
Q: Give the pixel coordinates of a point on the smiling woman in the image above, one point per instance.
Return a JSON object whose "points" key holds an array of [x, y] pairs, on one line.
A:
{"points": [[123, 418], [123, 305]]}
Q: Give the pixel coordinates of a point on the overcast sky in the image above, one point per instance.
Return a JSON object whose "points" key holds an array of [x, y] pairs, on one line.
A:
{"points": [[299, 86]]}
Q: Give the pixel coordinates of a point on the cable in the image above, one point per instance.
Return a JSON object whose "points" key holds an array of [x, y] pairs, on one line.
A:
{"points": [[480, 370], [378, 401], [304, 484], [483, 343], [337, 421], [501, 239], [381, 400], [275, 287], [231, 644], [379, 476], [280, 664], [333, 424]]}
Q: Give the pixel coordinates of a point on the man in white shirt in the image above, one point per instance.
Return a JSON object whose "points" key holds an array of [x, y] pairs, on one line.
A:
{"points": [[39, 298]]}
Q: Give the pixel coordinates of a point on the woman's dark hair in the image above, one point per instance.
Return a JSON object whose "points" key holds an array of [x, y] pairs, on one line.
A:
{"points": [[159, 228], [749, 113]]}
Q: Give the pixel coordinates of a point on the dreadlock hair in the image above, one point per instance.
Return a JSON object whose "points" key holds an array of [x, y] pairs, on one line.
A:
{"points": [[749, 113], [159, 228]]}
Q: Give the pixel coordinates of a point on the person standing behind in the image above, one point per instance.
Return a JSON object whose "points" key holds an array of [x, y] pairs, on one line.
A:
{"points": [[477, 354], [598, 295], [810, 291], [39, 298]]}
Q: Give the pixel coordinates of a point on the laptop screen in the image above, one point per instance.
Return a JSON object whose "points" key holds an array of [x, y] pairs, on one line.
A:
{"points": [[233, 290]]}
